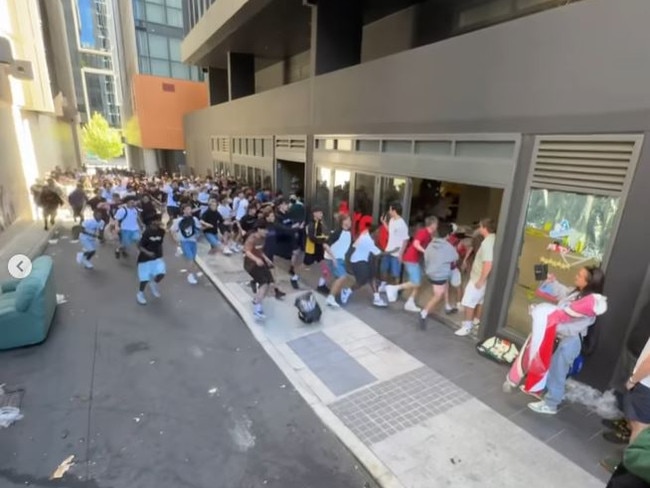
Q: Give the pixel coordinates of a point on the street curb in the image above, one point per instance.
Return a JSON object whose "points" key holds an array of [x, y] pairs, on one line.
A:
{"points": [[377, 469]]}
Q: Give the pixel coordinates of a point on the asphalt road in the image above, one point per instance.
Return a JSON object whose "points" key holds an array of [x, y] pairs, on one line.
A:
{"points": [[175, 394]]}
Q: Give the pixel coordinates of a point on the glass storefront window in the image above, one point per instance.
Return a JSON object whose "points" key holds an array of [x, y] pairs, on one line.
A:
{"points": [[364, 190], [258, 179], [341, 192], [268, 180], [392, 190], [250, 177], [565, 231], [322, 195]]}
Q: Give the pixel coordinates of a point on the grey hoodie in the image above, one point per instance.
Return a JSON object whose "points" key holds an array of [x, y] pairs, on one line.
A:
{"points": [[438, 259]]}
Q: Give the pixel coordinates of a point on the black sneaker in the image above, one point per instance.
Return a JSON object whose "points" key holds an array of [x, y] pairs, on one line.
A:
{"points": [[124, 253], [294, 284], [279, 294], [616, 437], [323, 289], [253, 286], [118, 254], [619, 425]]}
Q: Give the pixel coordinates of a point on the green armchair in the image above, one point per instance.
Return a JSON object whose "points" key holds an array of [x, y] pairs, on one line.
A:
{"points": [[27, 306]]}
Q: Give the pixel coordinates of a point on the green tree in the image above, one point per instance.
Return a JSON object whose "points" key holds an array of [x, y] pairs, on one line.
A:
{"points": [[101, 139]]}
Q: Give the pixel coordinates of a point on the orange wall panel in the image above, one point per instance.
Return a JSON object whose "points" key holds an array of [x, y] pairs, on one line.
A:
{"points": [[160, 104]]}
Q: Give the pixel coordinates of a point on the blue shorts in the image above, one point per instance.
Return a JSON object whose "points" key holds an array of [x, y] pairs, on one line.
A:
{"points": [[88, 243], [213, 239], [147, 271], [129, 237], [189, 250], [390, 265], [337, 267], [414, 272]]}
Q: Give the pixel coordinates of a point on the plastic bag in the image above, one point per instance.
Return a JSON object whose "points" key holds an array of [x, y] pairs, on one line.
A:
{"points": [[456, 278], [9, 415]]}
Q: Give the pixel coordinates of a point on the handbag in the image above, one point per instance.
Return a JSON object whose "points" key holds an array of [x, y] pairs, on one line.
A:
{"points": [[499, 350]]}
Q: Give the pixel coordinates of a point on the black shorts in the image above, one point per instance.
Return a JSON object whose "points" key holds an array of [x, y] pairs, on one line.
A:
{"points": [[174, 212], [637, 404], [223, 228], [362, 271], [299, 241], [317, 257], [260, 274], [437, 282]]}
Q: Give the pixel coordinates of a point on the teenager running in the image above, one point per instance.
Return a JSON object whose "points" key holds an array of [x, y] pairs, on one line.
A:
{"points": [[227, 226], [151, 267], [398, 238], [411, 259], [298, 215], [273, 229], [257, 265], [336, 248], [91, 231], [128, 223], [186, 230], [440, 258], [212, 221], [360, 261], [314, 252]]}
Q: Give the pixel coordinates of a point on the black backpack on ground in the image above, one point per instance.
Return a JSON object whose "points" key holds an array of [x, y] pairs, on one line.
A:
{"points": [[308, 309]]}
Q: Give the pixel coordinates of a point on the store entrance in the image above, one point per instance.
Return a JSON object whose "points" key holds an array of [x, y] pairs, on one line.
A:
{"points": [[290, 177], [460, 204]]}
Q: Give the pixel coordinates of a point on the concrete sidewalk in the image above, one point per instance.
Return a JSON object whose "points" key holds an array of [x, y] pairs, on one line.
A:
{"points": [[408, 423]]}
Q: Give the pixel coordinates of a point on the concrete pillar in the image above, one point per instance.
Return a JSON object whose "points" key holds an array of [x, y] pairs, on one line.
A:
{"points": [[241, 75], [218, 85], [337, 31]]}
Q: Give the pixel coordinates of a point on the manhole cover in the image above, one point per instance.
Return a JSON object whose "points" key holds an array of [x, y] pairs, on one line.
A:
{"points": [[11, 398]]}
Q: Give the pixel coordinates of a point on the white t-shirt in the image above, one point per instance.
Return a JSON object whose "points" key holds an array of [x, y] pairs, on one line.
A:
{"points": [[363, 247], [398, 232], [127, 218], [644, 354], [225, 211], [484, 255], [242, 209]]}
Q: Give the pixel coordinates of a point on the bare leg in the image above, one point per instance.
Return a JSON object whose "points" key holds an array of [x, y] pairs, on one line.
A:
{"points": [[636, 428]]}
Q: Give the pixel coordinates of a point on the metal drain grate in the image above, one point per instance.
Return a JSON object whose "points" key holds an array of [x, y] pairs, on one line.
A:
{"points": [[11, 398]]}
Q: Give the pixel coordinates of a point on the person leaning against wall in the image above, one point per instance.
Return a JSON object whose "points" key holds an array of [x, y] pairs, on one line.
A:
{"points": [[480, 272]]}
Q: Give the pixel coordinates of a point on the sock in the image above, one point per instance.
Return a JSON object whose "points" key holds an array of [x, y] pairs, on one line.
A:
{"points": [[321, 281], [377, 296], [447, 306], [476, 321], [467, 323], [423, 314], [257, 307], [294, 277]]}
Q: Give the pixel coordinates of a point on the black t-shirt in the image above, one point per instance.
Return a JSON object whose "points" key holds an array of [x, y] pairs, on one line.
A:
{"points": [[214, 218], [152, 241]]}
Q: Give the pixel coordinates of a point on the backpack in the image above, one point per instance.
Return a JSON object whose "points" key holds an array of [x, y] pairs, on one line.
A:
{"points": [[187, 227], [308, 309]]}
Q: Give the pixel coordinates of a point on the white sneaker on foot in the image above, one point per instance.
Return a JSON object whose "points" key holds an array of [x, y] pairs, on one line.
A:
{"points": [[391, 293], [346, 293], [259, 315], [191, 279], [226, 251], [88, 264], [140, 298], [331, 301], [410, 306], [153, 286], [379, 302], [465, 330], [542, 407]]}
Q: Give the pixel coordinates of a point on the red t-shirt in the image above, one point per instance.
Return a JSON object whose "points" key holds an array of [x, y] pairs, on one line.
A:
{"points": [[412, 255]]}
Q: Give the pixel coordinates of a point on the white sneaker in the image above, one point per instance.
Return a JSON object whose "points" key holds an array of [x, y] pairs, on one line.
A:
{"points": [[391, 293], [542, 407], [259, 315], [227, 252], [140, 298], [346, 293], [88, 264], [379, 302], [191, 279], [153, 286], [410, 306], [331, 301], [80, 258], [382, 287], [465, 330], [234, 249]]}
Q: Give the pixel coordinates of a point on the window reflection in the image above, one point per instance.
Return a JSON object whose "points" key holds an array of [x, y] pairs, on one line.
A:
{"points": [[322, 195], [341, 191], [392, 190], [364, 189]]}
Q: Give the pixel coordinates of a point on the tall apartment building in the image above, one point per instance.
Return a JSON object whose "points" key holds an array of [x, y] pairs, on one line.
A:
{"points": [[122, 50], [38, 108], [532, 112]]}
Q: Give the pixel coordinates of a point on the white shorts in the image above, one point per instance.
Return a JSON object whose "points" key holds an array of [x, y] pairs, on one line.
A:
{"points": [[148, 270], [472, 296]]}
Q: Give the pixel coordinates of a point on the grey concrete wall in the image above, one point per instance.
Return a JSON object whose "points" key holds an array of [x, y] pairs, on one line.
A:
{"points": [[539, 74], [390, 35]]}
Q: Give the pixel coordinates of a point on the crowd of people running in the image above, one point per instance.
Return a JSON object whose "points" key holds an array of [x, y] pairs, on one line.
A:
{"points": [[137, 212]]}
